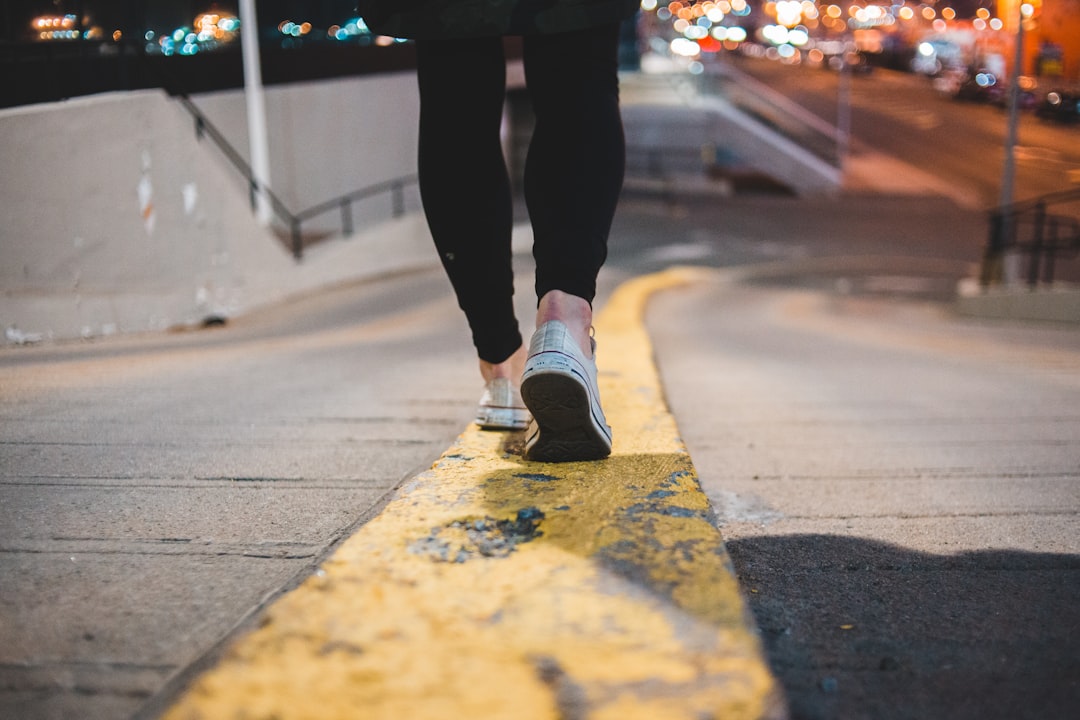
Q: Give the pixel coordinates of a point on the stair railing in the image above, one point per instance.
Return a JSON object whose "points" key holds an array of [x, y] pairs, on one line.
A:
{"points": [[1028, 228], [294, 221]]}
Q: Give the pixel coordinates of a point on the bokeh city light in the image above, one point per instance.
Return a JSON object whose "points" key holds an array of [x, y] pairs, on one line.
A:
{"points": [[215, 28], [935, 36], [962, 34]]}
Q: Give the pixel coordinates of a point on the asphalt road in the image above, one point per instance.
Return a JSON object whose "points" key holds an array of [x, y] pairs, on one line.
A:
{"points": [[902, 115], [898, 490], [897, 485]]}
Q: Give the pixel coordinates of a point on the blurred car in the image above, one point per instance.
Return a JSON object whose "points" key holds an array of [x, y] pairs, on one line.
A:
{"points": [[1028, 97], [1060, 106], [980, 86], [948, 82]]}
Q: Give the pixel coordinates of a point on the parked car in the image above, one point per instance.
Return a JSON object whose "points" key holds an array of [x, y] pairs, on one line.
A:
{"points": [[980, 86], [1029, 95], [1061, 106]]}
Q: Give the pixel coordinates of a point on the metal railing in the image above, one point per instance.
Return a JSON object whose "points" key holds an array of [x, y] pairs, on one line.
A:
{"points": [[294, 221], [1028, 228]]}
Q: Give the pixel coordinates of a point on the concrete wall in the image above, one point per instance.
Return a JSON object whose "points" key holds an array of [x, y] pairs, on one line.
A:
{"points": [[663, 111], [115, 218], [331, 137]]}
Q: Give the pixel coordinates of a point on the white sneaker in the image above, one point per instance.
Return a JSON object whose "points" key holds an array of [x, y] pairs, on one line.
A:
{"points": [[559, 388], [501, 407]]}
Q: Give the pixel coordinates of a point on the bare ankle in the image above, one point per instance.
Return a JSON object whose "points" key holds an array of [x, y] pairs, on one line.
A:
{"points": [[573, 311], [511, 368]]}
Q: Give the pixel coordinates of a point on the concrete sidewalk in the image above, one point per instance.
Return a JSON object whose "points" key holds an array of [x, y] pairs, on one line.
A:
{"points": [[896, 485], [494, 587], [157, 490]]}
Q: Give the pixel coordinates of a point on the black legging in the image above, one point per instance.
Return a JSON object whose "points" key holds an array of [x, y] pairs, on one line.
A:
{"points": [[573, 172]]}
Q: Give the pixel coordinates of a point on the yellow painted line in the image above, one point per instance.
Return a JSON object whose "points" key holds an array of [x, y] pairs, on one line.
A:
{"points": [[490, 587]]}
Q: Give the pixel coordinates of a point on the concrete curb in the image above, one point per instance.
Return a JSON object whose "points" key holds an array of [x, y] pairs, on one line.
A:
{"points": [[1057, 303], [493, 587]]}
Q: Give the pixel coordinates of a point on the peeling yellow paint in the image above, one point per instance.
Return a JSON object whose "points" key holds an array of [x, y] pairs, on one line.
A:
{"points": [[491, 587]]}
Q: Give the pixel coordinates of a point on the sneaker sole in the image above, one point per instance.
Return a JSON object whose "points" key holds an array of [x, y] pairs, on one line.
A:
{"points": [[561, 407]]}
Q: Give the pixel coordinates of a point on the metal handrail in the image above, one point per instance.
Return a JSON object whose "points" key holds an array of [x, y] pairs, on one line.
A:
{"points": [[1053, 198], [294, 220], [344, 203], [1050, 235], [203, 127]]}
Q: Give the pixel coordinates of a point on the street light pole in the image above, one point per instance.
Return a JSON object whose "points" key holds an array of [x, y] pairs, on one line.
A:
{"points": [[1006, 222], [843, 111], [1009, 171], [256, 110]]}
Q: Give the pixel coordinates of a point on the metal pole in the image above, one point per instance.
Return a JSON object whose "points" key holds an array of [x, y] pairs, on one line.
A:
{"points": [[297, 240], [1037, 245], [346, 218], [1051, 250], [256, 109], [843, 111], [1008, 172], [398, 195]]}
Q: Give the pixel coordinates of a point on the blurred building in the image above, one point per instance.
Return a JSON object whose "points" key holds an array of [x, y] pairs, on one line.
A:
{"points": [[1051, 37]]}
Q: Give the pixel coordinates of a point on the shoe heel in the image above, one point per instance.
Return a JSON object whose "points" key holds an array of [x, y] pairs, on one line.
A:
{"points": [[559, 388]]}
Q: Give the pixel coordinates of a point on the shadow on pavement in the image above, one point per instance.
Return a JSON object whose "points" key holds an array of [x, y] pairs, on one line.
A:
{"points": [[856, 628]]}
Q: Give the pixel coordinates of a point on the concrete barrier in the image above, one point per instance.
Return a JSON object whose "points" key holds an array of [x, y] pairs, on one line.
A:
{"points": [[665, 112], [1055, 303], [117, 218]]}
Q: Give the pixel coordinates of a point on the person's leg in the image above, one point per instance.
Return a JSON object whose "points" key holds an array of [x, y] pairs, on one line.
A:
{"points": [[465, 189], [573, 177], [574, 170]]}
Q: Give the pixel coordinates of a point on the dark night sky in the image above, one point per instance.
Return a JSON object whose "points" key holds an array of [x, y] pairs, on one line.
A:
{"points": [[165, 14]]}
